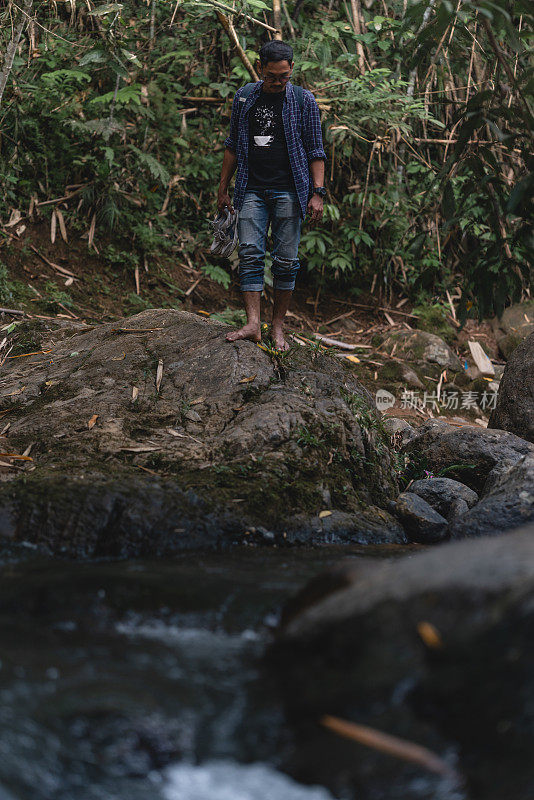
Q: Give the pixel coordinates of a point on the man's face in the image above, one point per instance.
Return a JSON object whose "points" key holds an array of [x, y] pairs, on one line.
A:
{"points": [[275, 75]]}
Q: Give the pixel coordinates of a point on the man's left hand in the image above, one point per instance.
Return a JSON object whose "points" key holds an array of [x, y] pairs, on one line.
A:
{"points": [[315, 208]]}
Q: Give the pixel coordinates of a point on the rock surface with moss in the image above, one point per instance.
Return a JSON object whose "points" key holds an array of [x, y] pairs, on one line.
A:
{"points": [[514, 410], [154, 434]]}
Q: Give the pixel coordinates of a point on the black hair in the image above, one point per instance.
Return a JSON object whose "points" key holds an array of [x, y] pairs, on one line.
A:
{"points": [[275, 50]]}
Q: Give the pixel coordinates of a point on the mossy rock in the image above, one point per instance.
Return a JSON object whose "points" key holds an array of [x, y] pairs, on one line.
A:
{"points": [[216, 443]]}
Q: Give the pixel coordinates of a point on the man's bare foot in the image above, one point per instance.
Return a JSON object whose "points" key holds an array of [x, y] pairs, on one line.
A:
{"points": [[279, 339], [250, 331]]}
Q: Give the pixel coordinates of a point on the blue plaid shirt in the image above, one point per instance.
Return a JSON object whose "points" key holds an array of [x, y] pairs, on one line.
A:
{"points": [[303, 137]]}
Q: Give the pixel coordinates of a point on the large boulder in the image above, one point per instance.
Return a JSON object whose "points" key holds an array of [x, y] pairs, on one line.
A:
{"points": [[467, 454], [154, 434], [436, 648], [508, 502], [514, 410]]}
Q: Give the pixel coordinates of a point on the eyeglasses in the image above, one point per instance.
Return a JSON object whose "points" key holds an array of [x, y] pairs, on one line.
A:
{"points": [[272, 79]]}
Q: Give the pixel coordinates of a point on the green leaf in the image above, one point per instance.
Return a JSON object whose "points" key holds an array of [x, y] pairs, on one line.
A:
{"points": [[93, 57], [156, 169], [107, 8]]}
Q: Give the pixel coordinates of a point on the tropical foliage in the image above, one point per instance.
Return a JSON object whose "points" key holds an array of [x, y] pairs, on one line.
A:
{"points": [[112, 119]]}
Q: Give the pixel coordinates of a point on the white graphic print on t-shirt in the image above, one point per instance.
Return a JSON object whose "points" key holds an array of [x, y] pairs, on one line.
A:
{"points": [[264, 118]]}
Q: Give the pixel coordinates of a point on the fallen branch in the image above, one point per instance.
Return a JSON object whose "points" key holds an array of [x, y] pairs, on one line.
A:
{"points": [[376, 308], [13, 311], [62, 270], [392, 745], [335, 342]]}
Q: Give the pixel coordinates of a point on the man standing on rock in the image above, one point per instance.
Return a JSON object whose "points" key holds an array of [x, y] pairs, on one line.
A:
{"points": [[275, 143]]}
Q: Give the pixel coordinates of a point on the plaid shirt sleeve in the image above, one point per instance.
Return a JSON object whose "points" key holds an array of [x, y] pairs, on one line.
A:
{"points": [[312, 137], [231, 141]]}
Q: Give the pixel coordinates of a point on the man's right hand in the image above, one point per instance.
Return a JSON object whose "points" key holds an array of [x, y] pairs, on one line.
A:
{"points": [[223, 201]]}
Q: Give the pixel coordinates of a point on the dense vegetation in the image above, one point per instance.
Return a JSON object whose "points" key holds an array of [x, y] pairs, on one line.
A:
{"points": [[112, 119]]}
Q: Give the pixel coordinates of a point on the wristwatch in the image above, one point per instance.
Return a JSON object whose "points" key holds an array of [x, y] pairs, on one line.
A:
{"points": [[320, 190]]}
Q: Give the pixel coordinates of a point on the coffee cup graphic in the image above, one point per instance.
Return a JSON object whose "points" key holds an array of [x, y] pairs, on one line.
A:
{"points": [[263, 141]]}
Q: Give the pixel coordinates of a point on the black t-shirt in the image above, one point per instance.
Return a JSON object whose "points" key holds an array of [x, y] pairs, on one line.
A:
{"points": [[268, 159]]}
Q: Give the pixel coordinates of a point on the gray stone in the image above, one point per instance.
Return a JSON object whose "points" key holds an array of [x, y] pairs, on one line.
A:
{"points": [[435, 647], [507, 503], [420, 346], [400, 429], [443, 495], [420, 521], [467, 453], [457, 508], [514, 410], [140, 482]]}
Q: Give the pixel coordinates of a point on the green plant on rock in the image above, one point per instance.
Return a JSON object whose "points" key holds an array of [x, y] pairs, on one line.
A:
{"points": [[306, 438]]}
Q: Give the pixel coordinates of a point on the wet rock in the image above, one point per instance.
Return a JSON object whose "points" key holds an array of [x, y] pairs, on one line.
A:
{"points": [[376, 527], [457, 508], [467, 453], [435, 647], [420, 346], [420, 521], [514, 410], [230, 438], [445, 495], [508, 503]]}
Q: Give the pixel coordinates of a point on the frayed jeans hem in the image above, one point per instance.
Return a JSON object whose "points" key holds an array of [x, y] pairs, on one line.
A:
{"points": [[255, 287]]}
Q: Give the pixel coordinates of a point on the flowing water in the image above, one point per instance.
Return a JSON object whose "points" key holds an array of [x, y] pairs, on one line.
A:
{"points": [[138, 680]]}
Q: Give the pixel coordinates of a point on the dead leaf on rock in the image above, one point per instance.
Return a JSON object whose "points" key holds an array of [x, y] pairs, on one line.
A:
{"points": [[15, 456], [430, 635], [135, 393], [159, 374], [92, 422], [140, 448], [323, 514], [248, 380], [185, 436]]}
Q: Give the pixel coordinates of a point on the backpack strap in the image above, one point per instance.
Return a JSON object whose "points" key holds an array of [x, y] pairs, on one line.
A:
{"points": [[248, 87]]}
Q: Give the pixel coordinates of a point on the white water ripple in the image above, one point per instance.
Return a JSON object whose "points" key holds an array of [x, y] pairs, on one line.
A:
{"points": [[228, 780]]}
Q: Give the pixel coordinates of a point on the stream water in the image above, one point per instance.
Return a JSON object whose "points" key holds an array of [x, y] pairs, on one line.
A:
{"points": [[137, 680]]}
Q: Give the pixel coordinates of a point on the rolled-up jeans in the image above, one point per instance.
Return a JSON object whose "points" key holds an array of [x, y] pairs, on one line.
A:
{"points": [[282, 211]]}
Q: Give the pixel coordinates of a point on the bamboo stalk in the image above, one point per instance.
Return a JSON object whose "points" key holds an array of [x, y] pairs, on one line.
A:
{"points": [[232, 35], [354, 7], [277, 17], [288, 20], [12, 47]]}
